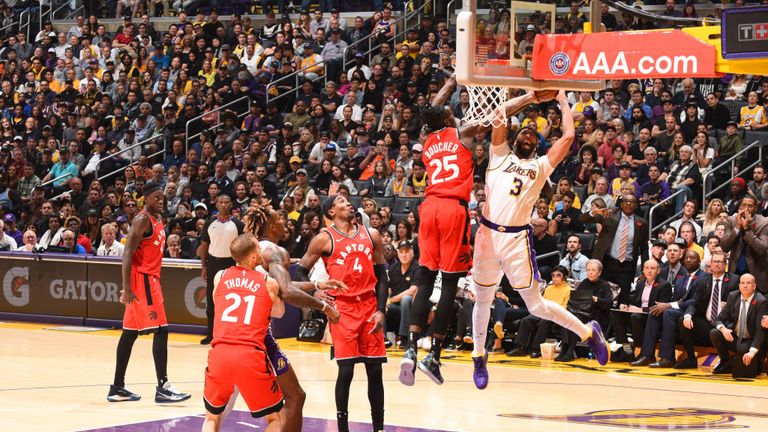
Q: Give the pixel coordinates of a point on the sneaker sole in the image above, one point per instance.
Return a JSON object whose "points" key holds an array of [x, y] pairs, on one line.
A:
{"points": [[164, 400], [429, 374], [407, 375], [122, 399]]}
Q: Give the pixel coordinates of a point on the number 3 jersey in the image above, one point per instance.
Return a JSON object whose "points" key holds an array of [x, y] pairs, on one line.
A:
{"points": [[243, 308], [351, 261], [449, 165], [512, 186]]}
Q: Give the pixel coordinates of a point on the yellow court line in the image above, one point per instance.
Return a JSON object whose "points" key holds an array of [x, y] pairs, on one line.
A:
{"points": [[463, 357]]}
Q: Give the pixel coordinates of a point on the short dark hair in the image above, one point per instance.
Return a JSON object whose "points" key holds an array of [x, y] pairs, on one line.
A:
{"points": [[432, 116]]}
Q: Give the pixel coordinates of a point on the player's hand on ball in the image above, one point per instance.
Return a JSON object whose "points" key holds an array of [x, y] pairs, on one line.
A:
{"points": [[127, 296], [545, 95], [378, 322], [332, 284], [332, 314]]}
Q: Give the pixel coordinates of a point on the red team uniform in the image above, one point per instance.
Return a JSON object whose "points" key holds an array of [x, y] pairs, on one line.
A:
{"points": [[238, 356], [147, 312], [351, 261], [444, 214]]}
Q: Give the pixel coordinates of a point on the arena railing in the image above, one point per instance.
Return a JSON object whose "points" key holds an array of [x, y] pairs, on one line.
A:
{"points": [[293, 78], [730, 162], [218, 111], [705, 194], [550, 254], [51, 181], [127, 149], [670, 200]]}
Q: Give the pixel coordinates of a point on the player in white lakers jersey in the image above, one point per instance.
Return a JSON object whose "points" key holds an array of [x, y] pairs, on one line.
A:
{"points": [[504, 243]]}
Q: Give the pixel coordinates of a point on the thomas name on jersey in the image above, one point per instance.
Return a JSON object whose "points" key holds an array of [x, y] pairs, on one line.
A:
{"points": [[352, 248], [514, 168], [243, 283], [450, 147]]}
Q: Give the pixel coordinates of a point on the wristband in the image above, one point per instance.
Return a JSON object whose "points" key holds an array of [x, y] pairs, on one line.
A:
{"points": [[316, 285], [325, 305]]}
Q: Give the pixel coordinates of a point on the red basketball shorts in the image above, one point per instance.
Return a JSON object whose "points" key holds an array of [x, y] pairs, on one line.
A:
{"points": [[247, 368], [352, 340], [147, 311], [444, 235]]}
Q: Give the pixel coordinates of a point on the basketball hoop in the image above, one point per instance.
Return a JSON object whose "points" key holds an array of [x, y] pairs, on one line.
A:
{"points": [[485, 99]]}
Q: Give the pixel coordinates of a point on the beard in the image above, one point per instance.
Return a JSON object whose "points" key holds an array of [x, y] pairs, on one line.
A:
{"points": [[524, 153]]}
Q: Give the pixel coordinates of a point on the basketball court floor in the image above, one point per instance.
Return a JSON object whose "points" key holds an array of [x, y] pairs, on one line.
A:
{"points": [[56, 379]]}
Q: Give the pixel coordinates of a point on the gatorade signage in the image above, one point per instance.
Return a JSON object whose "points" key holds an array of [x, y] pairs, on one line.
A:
{"points": [[89, 287], [621, 55]]}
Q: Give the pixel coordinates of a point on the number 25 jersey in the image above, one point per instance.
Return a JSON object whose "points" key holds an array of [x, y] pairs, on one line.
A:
{"points": [[449, 165], [351, 261]]}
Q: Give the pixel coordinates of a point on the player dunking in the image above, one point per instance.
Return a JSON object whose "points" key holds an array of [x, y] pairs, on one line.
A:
{"points": [[354, 255], [143, 299], [244, 300], [445, 232], [269, 225], [504, 243]]}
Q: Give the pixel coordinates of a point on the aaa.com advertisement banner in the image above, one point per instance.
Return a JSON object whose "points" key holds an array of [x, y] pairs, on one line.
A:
{"points": [[622, 55], [66, 285]]}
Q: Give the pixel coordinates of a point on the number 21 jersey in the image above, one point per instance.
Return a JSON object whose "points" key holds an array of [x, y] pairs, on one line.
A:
{"points": [[351, 261], [449, 165]]}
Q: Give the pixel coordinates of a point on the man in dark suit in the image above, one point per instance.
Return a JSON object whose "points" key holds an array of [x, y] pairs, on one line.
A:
{"points": [[738, 326], [746, 238], [673, 270], [623, 239], [701, 313], [649, 290], [664, 316]]}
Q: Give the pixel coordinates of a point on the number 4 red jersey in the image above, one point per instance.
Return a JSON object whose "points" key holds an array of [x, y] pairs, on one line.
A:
{"points": [[449, 165], [351, 261]]}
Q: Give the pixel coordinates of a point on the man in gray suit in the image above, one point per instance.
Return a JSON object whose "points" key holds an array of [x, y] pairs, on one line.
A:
{"points": [[746, 238]]}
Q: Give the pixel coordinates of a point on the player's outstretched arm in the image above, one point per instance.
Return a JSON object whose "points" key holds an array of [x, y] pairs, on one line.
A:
{"points": [[274, 261], [511, 107], [317, 246], [562, 146], [445, 92], [382, 284], [139, 226], [499, 135]]}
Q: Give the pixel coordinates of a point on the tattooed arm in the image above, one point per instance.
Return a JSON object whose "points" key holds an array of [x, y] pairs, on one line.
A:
{"points": [[275, 260]]}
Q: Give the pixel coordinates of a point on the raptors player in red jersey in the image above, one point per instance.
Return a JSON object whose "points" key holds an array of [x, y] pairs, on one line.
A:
{"points": [[244, 300], [143, 299], [444, 233], [353, 255]]}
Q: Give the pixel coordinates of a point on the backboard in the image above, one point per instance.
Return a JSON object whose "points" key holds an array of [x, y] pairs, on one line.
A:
{"points": [[497, 55]]}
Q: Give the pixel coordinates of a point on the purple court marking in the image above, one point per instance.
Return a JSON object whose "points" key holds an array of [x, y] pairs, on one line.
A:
{"points": [[242, 421]]}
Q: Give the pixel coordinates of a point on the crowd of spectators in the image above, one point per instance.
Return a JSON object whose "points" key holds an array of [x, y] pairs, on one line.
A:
{"points": [[87, 118]]}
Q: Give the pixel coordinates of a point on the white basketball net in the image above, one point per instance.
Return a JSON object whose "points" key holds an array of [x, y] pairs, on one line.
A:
{"points": [[483, 104]]}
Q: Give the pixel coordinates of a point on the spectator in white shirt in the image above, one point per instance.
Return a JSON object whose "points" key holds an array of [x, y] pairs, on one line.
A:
{"points": [[30, 242], [108, 246], [6, 242]]}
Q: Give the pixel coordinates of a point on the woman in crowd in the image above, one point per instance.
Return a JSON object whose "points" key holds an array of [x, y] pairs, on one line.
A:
{"points": [[377, 184], [339, 177], [711, 216]]}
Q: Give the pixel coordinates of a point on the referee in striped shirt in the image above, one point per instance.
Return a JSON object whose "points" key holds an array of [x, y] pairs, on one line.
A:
{"points": [[218, 234]]}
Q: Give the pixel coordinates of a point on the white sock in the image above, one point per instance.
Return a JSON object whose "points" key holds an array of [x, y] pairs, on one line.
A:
{"points": [[481, 314]]}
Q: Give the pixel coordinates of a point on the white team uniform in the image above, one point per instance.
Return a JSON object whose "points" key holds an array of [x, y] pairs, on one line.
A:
{"points": [[512, 187]]}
